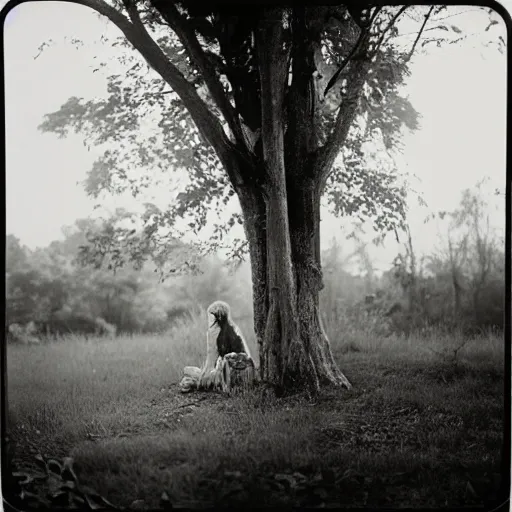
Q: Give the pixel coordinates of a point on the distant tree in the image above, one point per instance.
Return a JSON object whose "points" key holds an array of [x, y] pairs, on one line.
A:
{"points": [[448, 263], [63, 288], [342, 289], [32, 291], [259, 102], [129, 297], [15, 255], [472, 254]]}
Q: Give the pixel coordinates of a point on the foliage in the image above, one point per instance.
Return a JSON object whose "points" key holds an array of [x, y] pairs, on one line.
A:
{"points": [[56, 487], [473, 256], [458, 285], [53, 289], [148, 135]]}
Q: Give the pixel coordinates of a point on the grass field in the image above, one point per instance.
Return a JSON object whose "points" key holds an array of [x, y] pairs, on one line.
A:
{"points": [[417, 429]]}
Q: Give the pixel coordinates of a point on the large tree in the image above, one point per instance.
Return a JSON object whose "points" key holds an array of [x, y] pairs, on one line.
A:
{"points": [[259, 102]]}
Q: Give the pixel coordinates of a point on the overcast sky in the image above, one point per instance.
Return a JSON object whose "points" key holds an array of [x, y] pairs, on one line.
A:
{"points": [[459, 90]]}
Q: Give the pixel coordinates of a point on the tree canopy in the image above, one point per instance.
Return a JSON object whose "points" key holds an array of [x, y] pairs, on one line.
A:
{"points": [[143, 123], [280, 106]]}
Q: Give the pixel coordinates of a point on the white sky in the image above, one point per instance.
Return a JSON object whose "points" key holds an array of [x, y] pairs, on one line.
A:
{"points": [[459, 90]]}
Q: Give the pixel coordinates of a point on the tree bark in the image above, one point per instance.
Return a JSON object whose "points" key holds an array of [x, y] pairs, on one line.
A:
{"points": [[293, 214], [280, 338], [294, 351], [254, 213], [304, 207]]}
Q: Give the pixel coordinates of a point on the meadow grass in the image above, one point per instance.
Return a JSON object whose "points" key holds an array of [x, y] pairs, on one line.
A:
{"points": [[419, 427]]}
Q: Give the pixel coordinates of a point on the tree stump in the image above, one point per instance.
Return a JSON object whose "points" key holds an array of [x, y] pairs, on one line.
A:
{"points": [[233, 372], [237, 372]]}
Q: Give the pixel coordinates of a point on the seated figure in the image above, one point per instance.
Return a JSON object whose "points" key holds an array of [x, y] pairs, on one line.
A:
{"points": [[226, 350]]}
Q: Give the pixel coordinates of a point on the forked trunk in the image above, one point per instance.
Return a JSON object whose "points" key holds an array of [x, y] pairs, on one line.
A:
{"points": [[295, 351], [284, 244], [282, 222], [284, 359]]}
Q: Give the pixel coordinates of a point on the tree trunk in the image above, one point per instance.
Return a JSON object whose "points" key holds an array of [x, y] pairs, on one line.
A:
{"points": [[299, 213], [284, 238], [296, 354], [304, 207], [284, 359], [254, 212], [282, 327], [284, 244], [456, 294]]}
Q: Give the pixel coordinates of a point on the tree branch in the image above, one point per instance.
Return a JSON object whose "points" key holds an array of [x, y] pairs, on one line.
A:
{"points": [[189, 40], [273, 69], [390, 24], [135, 32], [301, 132], [361, 62], [336, 75], [108, 11], [327, 153], [359, 42], [427, 16]]}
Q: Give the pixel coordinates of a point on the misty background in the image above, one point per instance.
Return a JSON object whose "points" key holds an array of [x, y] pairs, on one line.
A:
{"points": [[446, 270]]}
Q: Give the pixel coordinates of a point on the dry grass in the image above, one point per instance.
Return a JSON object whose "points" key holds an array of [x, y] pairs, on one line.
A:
{"points": [[417, 429]]}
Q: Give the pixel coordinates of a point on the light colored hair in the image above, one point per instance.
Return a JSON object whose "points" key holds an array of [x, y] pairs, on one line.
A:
{"points": [[210, 372], [219, 307]]}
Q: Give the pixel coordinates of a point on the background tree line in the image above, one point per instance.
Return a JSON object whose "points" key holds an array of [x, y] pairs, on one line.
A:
{"points": [[272, 109], [460, 284], [51, 292], [55, 291]]}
